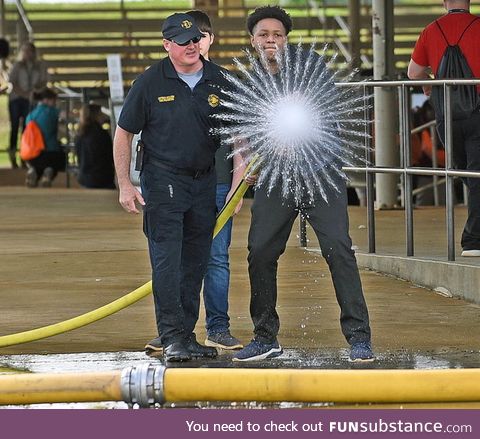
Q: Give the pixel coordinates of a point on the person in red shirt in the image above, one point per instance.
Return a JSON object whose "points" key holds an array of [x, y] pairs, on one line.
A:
{"points": [[426, 58]]}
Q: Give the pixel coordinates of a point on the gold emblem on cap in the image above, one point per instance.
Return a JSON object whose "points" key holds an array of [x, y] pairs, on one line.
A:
{"points": [[213, 100], [186, 24]]}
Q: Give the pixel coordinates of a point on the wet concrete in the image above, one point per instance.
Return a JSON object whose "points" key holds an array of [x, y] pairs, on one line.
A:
{"points": [[297, 358], [291, 359], [66, 252]]}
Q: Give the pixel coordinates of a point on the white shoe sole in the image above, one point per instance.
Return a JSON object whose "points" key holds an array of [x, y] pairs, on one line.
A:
{"points": [[214, 344], [471, 253], [272, 353], [149, 347], [362, 360]]}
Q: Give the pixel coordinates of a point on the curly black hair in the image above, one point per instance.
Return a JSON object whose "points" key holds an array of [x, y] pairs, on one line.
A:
{"points": [[269, 12]]}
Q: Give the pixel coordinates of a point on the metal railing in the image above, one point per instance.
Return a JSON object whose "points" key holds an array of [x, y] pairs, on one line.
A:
{"points": [[343, 26], [25, 20], [406, 170]]}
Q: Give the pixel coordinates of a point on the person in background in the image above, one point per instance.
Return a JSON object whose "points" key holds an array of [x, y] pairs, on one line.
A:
{"points": [[217, 278], [27, 75], [422, 156], [94, 150], [457, 27], [44, 168], [4, 53]]}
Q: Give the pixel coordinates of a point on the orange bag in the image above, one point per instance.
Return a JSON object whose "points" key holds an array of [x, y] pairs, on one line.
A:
{"points": [[32, 143]]}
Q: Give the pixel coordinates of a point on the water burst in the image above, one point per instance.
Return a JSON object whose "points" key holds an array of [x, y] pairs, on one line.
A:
{"points": [[303, 127]]}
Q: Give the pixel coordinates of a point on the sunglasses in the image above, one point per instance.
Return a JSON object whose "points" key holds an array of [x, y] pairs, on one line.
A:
{"points": [[193, 40]]}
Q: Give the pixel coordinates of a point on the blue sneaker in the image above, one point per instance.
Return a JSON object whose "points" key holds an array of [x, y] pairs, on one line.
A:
{"points": [[256, 350], [223, 340], [361, 352]]}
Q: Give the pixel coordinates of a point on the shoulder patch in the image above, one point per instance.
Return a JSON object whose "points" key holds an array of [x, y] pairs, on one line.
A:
{"points": [[169, 98]]}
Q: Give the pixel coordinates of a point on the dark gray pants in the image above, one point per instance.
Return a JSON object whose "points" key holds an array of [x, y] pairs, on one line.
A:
{"points": [[466, 155], [272, 221], [178, 220]]}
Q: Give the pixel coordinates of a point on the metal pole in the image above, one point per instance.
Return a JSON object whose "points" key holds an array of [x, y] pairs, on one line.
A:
{"points": [[3, 29], [401, 117], [405, 139], [69, 139], [449, 179], [410, 82], [370, 176], [412, 170], [385, 118], [354, 24], [3, 33], [25, 26], [433, 136]]}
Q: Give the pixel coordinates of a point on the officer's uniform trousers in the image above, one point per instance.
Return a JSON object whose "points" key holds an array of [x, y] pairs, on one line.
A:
{"points": [[179, 217]]}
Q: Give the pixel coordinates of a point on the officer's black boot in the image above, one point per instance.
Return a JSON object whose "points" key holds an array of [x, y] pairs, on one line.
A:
{"points": [[197, 350]]}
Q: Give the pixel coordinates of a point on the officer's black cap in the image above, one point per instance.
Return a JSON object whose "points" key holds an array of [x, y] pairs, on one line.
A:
{"points": [[180, 28]]}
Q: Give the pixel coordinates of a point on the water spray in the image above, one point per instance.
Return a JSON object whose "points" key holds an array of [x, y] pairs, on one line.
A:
{"points": [[303, 126]]}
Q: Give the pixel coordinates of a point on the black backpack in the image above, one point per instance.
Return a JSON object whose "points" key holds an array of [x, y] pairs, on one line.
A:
{"points": [[453, 65]]}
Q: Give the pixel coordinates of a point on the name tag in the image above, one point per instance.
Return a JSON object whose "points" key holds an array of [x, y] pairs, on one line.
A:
{"points": [[166, 98]]}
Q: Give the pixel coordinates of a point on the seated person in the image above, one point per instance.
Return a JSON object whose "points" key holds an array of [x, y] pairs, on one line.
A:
{"points": [[44, 168], [94, 150], [422, 156]]}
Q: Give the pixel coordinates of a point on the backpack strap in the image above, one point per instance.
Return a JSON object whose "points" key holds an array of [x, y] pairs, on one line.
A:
{"points": [[473, 21], [461, 36], [441, 31]]}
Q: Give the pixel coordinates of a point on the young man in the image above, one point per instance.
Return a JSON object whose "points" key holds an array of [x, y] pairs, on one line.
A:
{"points": [[272, 220], [171, 104], [457, 26], [217, 277]]}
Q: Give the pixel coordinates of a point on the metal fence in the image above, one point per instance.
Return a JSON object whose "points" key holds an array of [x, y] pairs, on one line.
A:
{"points": [[405, 169]]}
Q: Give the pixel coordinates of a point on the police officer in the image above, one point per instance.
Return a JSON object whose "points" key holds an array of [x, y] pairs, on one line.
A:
{"points": [[171, 103]]}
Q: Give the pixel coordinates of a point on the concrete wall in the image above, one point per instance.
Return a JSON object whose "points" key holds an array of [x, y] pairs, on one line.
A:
{"points": [[449, 278]]}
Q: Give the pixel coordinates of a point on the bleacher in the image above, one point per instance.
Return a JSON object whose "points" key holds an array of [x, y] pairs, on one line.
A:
{"points": [[76, 40]]}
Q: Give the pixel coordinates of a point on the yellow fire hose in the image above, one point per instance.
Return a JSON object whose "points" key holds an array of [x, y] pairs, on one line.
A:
{"points": [[37, 388], [148, 384], [130, 298], [227, 211]]}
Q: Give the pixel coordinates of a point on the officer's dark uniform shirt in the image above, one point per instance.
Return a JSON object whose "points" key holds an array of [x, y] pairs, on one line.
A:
{"points": [[175, 121]]}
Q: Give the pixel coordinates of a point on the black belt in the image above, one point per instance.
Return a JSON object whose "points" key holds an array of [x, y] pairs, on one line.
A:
{"points": [[195, 173]]}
